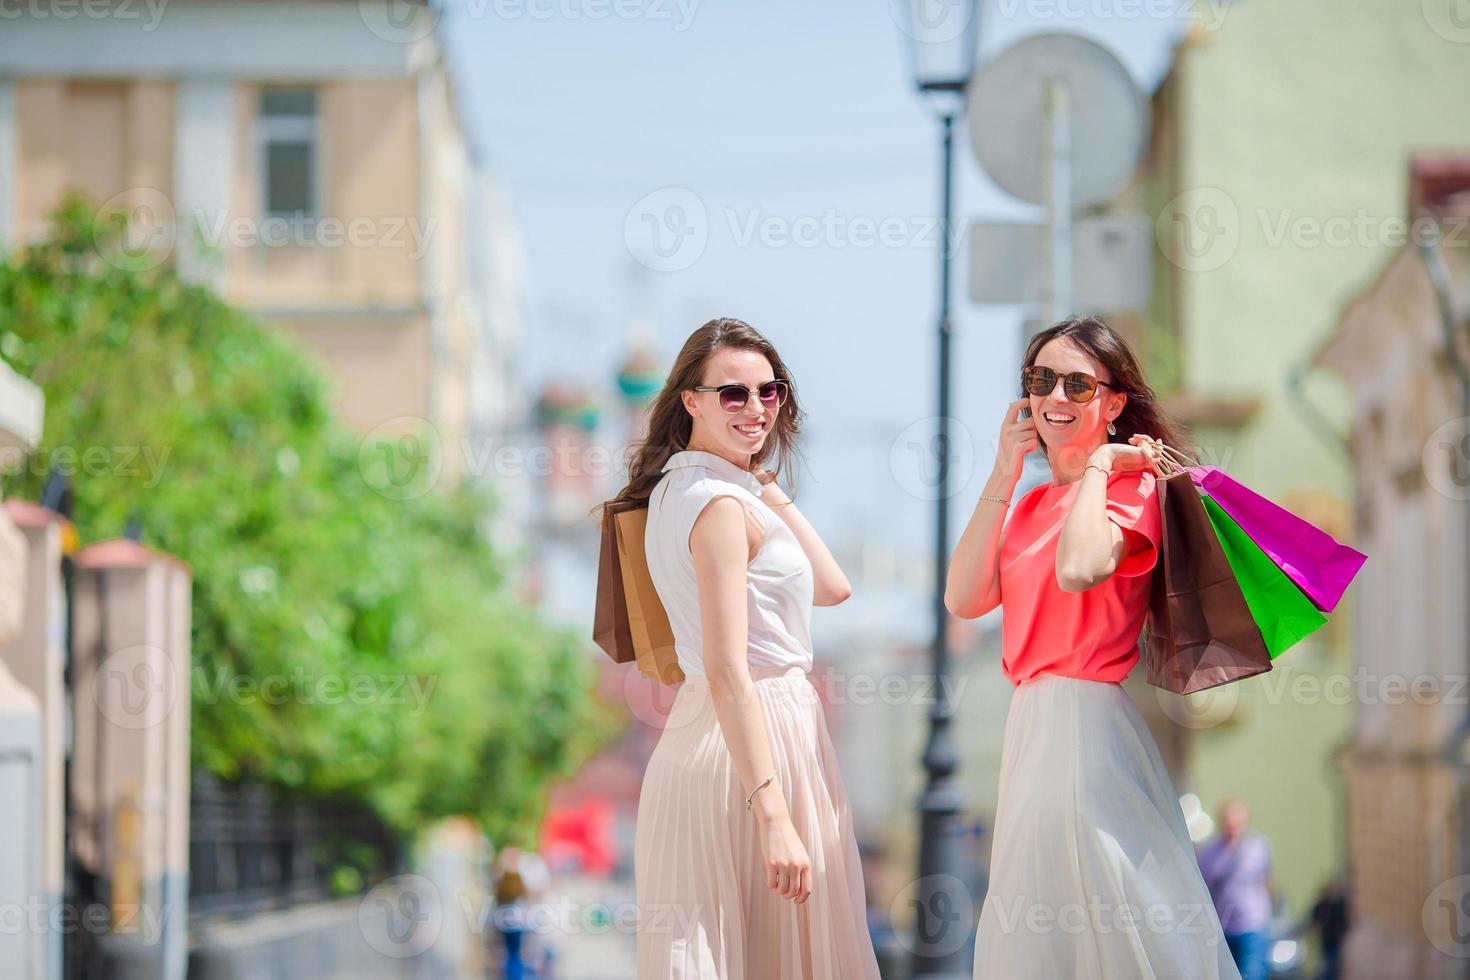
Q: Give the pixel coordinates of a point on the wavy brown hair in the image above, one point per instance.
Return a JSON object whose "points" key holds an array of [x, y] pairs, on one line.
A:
{"points": [[1141, 414], [670, 424]]}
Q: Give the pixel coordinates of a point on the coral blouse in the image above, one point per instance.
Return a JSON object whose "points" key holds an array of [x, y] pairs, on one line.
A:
{"points": [[1092, 634]]}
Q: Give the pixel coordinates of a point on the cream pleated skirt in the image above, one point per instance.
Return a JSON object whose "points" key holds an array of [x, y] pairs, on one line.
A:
{"points": [[705, 912], [1092, 872]]}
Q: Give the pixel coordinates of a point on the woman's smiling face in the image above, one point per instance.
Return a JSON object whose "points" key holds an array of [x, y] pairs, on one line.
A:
{"points": [[737, 435], [1062, 423]]}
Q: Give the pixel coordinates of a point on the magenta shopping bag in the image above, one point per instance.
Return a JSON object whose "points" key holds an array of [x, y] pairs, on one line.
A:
{"points": [[1319, 564]]}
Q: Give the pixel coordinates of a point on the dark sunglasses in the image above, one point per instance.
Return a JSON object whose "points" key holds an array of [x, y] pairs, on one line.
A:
{"points": [[1079, 385], [733, 398]]}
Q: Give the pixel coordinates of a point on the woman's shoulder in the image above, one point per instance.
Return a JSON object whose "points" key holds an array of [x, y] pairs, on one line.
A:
{"points": [[683, 495], [699, 486]]}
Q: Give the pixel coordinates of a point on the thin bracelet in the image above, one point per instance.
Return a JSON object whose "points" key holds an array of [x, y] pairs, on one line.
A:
{"points": [[1095, 466], [999, 500], [750, 800]]}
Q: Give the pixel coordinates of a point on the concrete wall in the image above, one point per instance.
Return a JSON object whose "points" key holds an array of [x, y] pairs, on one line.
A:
{"points": [[21, 891], [36, 659]]}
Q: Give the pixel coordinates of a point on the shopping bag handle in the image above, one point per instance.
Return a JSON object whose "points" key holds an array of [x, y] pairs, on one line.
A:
{"points": [[1171, 461]]}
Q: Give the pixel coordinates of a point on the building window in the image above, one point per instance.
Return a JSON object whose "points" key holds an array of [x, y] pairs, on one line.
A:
{"points": [[288, 153]]}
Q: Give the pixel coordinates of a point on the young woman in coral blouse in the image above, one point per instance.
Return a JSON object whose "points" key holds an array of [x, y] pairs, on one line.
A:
{"points": [[1092, 871]]}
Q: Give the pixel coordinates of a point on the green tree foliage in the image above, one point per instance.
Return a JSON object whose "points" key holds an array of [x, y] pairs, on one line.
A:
{"points": [[346, 644]]}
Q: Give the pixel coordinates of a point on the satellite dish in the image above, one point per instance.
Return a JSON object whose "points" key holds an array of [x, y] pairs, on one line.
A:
{"points": [[1006, 106]]}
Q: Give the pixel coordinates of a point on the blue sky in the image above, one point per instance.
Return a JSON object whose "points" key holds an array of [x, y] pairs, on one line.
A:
{"points": [[790, 133]]}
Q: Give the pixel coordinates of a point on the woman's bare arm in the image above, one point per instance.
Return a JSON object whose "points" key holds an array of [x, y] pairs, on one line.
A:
{"points": [[830, 585], [1091, 547], [721, 546], [972, 587]]}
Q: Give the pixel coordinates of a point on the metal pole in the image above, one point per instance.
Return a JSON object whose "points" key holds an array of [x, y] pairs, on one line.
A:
{"points": [[1058, 163], [941, 923]]}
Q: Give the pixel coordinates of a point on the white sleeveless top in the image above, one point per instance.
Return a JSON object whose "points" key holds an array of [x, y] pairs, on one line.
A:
{"points": [[778, 582]]}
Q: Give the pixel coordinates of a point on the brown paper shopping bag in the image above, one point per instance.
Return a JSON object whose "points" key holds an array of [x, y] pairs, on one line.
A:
{"points": [[648, 622], [1200, 630]]}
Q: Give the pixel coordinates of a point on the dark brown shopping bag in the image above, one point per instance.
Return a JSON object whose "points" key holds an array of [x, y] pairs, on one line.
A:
{"points": [[1200, 630], [610, 628]]}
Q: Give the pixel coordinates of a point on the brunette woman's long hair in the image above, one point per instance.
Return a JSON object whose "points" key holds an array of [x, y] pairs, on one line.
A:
{"points": [[670, 424], [1141, 414]]}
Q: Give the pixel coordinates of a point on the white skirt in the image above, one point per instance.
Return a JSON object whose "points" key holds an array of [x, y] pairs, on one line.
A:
{"points": [[1092, 872], [705, 912]]}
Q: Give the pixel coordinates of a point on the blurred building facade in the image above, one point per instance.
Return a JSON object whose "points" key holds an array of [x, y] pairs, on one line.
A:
{"points": [[1401, 348], [308, 160], [1277, 172]]}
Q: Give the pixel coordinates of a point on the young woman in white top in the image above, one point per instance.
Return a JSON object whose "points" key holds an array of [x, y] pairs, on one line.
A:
{"points": [[745, 863]]}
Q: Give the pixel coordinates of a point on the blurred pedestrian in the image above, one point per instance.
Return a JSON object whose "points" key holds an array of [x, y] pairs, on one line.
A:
{"points": [[510, 923], [1087, 821], [1236, 864], [1330, 919], [521, 879], [745, 859]]}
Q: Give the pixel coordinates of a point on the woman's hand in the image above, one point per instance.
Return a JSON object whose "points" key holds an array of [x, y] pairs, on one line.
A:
{"points": [[1140, 453], [829, 584], [1017, 438], [788, 866], [771, 493]]}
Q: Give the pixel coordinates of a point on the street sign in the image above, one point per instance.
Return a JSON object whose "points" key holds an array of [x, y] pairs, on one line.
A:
{"points": [[1112, 263], [1007, 111], [1057, 120]]}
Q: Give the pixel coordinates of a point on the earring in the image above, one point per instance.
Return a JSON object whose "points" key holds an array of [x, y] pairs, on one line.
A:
{"points": [[1112, 429]]}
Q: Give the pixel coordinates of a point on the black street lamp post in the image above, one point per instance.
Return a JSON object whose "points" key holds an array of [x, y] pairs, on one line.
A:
{"points": [[943, 35]]}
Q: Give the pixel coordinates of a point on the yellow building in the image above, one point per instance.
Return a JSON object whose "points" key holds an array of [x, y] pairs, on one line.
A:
{"points": [[308, 160], [1277, 176]]}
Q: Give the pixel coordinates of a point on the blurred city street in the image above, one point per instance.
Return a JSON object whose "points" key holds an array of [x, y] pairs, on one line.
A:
{"points": [[328, 326], [597, 955]]}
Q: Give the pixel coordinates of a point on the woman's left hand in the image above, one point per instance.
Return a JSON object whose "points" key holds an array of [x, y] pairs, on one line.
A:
{"points": [[1138, 454], [771, 492]]}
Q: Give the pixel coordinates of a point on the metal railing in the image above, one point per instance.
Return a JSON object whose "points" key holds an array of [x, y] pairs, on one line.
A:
{"points": [[250, 851]]}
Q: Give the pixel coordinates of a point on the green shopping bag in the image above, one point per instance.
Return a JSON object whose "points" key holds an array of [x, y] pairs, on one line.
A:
{"points": [[1282, 611]]}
